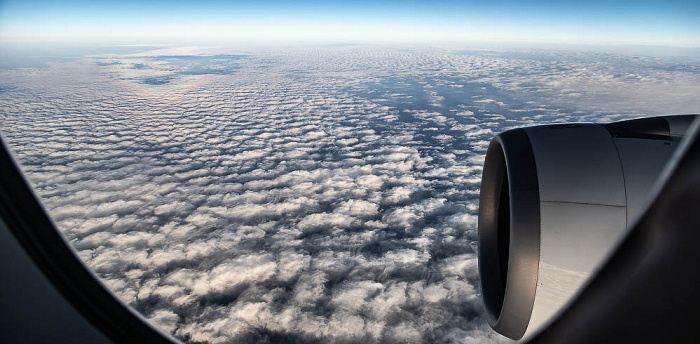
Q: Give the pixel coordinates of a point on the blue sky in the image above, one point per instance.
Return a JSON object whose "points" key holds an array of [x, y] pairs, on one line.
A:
{"points": [[670, 22]]}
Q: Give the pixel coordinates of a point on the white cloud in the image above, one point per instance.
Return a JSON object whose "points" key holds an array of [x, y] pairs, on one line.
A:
{"points": [[358, 208], [311, 194], [165, 319], [248, 268]]}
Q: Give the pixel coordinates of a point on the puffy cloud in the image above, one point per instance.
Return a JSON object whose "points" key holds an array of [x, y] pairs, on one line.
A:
{"points": [[165, 319], [252, 268], [301, 195], [358, 208]]}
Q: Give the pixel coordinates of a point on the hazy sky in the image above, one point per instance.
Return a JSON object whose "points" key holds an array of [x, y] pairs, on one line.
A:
{"points": [[669, 22]]}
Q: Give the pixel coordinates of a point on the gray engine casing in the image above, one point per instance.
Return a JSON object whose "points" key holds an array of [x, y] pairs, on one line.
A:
{"points": [[554, 201]]}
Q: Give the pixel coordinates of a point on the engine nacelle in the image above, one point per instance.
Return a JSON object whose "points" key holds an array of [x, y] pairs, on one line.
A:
{"points": [[554, 202]]}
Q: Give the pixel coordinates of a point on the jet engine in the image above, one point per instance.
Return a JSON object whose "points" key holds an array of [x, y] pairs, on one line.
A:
{"points": [[555, 200]]}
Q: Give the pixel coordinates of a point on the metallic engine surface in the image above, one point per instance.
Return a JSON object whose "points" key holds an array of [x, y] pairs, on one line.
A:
{"points": [[591, 181]]}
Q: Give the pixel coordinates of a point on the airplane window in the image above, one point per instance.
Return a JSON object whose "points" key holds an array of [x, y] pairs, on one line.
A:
{"points": [[309, 173]]}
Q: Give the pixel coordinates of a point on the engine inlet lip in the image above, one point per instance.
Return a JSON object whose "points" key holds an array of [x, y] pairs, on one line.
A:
{"points": [[508, 290]]}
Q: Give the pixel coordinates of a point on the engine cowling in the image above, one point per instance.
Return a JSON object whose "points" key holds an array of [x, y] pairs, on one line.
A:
{"points": [[554, 202]]}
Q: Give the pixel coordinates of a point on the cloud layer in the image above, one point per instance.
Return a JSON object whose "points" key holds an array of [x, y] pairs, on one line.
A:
{"points": [[301, 195]]}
